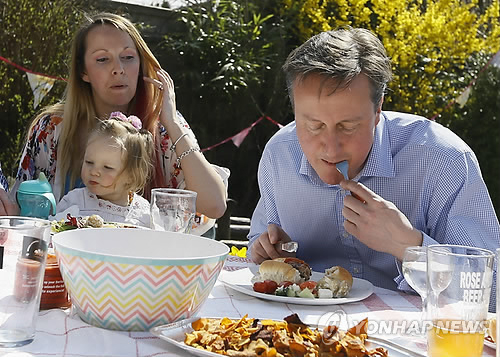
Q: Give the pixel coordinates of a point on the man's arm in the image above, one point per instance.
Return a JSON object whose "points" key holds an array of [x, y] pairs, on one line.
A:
{"points": [[266, 233]]}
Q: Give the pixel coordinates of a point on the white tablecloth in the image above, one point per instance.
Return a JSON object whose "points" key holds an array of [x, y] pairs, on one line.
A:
{"points": [[59, 333]]}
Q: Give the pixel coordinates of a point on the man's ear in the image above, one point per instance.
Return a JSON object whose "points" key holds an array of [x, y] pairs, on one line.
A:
{"points": [[379, 110]]}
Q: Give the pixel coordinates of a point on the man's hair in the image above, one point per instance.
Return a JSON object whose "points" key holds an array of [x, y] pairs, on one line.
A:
{"points": [[136, 145], [341, 56]]}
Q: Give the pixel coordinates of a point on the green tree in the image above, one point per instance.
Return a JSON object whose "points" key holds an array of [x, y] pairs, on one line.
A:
{"points": [[225, 61], [478, 123], [37, 36]]}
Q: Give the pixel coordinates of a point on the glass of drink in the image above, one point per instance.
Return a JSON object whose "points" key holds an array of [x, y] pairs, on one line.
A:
{"points": [[23, 251], [172, 210], [459, 281], [415, 272]]}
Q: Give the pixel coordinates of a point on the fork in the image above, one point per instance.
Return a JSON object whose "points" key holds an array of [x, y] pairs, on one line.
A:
{"points": [[343, 168], [290, 247]]}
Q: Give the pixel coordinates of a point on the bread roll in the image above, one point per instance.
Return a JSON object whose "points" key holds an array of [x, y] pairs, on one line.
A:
{"points": [[279, 272], [338, 280], [304, 269]]}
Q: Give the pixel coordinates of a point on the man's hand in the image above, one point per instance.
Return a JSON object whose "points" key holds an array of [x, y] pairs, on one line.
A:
{"points": [[267, 246], [7, 207], [376, 222]]}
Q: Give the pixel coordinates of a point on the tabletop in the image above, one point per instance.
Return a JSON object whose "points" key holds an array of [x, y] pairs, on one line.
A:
{"points": [[61, 333]]}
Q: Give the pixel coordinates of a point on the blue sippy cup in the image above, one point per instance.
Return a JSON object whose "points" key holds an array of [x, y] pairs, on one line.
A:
{"points": [[35, 198]]}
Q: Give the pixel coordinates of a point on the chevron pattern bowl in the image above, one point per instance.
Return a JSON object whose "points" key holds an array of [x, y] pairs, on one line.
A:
{"points": [[135, 279]]}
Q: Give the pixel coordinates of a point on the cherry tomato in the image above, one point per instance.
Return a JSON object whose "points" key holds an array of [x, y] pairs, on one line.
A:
{"points": [[311, 285], [286, 283], [266, 286]]}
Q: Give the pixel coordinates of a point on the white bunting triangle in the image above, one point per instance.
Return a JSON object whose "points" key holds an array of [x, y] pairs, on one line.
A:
{"points": [[40, 85]]}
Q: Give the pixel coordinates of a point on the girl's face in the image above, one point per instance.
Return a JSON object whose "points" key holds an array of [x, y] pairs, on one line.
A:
{"points": [[102, 171], [112, 66]]}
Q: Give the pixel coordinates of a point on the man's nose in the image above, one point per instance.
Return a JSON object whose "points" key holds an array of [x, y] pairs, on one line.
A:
{"points": [[332, 145]]}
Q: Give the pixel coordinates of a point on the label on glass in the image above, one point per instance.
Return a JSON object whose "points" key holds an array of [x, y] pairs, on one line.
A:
{"points": [[34, 248]]}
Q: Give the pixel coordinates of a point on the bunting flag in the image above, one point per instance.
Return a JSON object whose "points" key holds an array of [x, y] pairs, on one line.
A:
{"points": [[40, 85], [495, 62], [238, 138], [462, 98]]}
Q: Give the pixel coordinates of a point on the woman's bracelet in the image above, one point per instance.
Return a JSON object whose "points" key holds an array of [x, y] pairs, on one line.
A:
{"points": [[184, 154], [172, 148]]}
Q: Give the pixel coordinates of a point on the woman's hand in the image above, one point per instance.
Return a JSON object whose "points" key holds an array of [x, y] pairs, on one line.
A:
{"points": [[166, 85], [7, 207], [199, 175]]}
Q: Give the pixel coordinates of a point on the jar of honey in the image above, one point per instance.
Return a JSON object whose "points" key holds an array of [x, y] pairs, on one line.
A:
{"points": [[54, 293]]}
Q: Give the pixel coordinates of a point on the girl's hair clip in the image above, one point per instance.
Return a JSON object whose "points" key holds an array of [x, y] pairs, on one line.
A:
{"points": [[135, 121]]}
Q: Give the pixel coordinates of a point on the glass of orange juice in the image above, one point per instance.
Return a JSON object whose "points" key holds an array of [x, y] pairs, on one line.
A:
{"points": [[459, 287]]}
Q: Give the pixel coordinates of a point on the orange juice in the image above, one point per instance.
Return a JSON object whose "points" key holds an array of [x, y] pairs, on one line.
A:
{"points": [[445, 342]]}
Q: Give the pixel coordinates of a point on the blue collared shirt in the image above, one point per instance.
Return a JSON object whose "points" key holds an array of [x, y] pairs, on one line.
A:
{"points": [[426, 170]]}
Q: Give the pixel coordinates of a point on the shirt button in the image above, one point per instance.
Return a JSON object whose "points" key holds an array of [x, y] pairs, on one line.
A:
{"points": [[356, 270], [345, 235]]}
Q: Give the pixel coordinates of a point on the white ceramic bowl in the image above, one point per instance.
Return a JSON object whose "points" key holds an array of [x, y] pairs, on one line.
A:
{"points": [[130, 279]]}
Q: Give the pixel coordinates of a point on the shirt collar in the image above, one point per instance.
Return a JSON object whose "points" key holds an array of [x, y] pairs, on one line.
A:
{"points": [[379, 162]]}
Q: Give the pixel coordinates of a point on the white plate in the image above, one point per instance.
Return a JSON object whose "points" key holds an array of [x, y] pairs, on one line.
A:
{"points": [[174, 334], [240, 280], [490, 344]]}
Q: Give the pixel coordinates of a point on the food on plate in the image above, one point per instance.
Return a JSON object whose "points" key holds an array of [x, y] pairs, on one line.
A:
{"points": [[290, 277], [492, 329], [93, 221], [338, 280], [284, 269], [291, 337]]}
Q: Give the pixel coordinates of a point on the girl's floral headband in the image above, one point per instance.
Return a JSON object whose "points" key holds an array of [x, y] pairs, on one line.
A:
{"points": [[135, 121]]}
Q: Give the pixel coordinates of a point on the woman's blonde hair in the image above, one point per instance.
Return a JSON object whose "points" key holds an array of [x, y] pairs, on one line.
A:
{"points": [[77, 106], [136, 145]]}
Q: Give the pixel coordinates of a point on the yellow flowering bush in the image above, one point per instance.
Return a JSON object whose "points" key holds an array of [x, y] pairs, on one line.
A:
{"points": [[432, 43]]}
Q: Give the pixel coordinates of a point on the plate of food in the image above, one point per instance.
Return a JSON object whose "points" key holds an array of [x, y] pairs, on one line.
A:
{"points": [[489, 338], [93, 221], [212, 337], [291, 280]]}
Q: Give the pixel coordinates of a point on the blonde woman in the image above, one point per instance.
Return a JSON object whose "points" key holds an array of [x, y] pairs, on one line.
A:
{"points": [[112, 69]]}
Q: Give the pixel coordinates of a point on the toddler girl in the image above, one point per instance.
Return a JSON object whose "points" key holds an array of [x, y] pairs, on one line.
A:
{"points": [[116, 165]]}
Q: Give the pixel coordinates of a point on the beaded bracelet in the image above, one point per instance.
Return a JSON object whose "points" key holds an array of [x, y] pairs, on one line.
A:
{"points": [[186, 153], [174, 145]]}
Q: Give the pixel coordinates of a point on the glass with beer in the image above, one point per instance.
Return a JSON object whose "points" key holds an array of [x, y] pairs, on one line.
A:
{"points": [[459, 287]]}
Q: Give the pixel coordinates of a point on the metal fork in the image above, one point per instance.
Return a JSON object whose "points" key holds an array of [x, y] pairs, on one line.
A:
{"points": [[290, 247]]}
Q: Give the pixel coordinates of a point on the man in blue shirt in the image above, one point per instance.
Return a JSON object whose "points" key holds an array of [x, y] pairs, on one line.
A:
{"points": [[418, 183]]}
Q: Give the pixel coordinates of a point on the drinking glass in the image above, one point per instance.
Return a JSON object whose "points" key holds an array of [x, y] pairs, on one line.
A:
{"points": [[23, 251], [415, 272], [172, 210], [459, 281]]}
